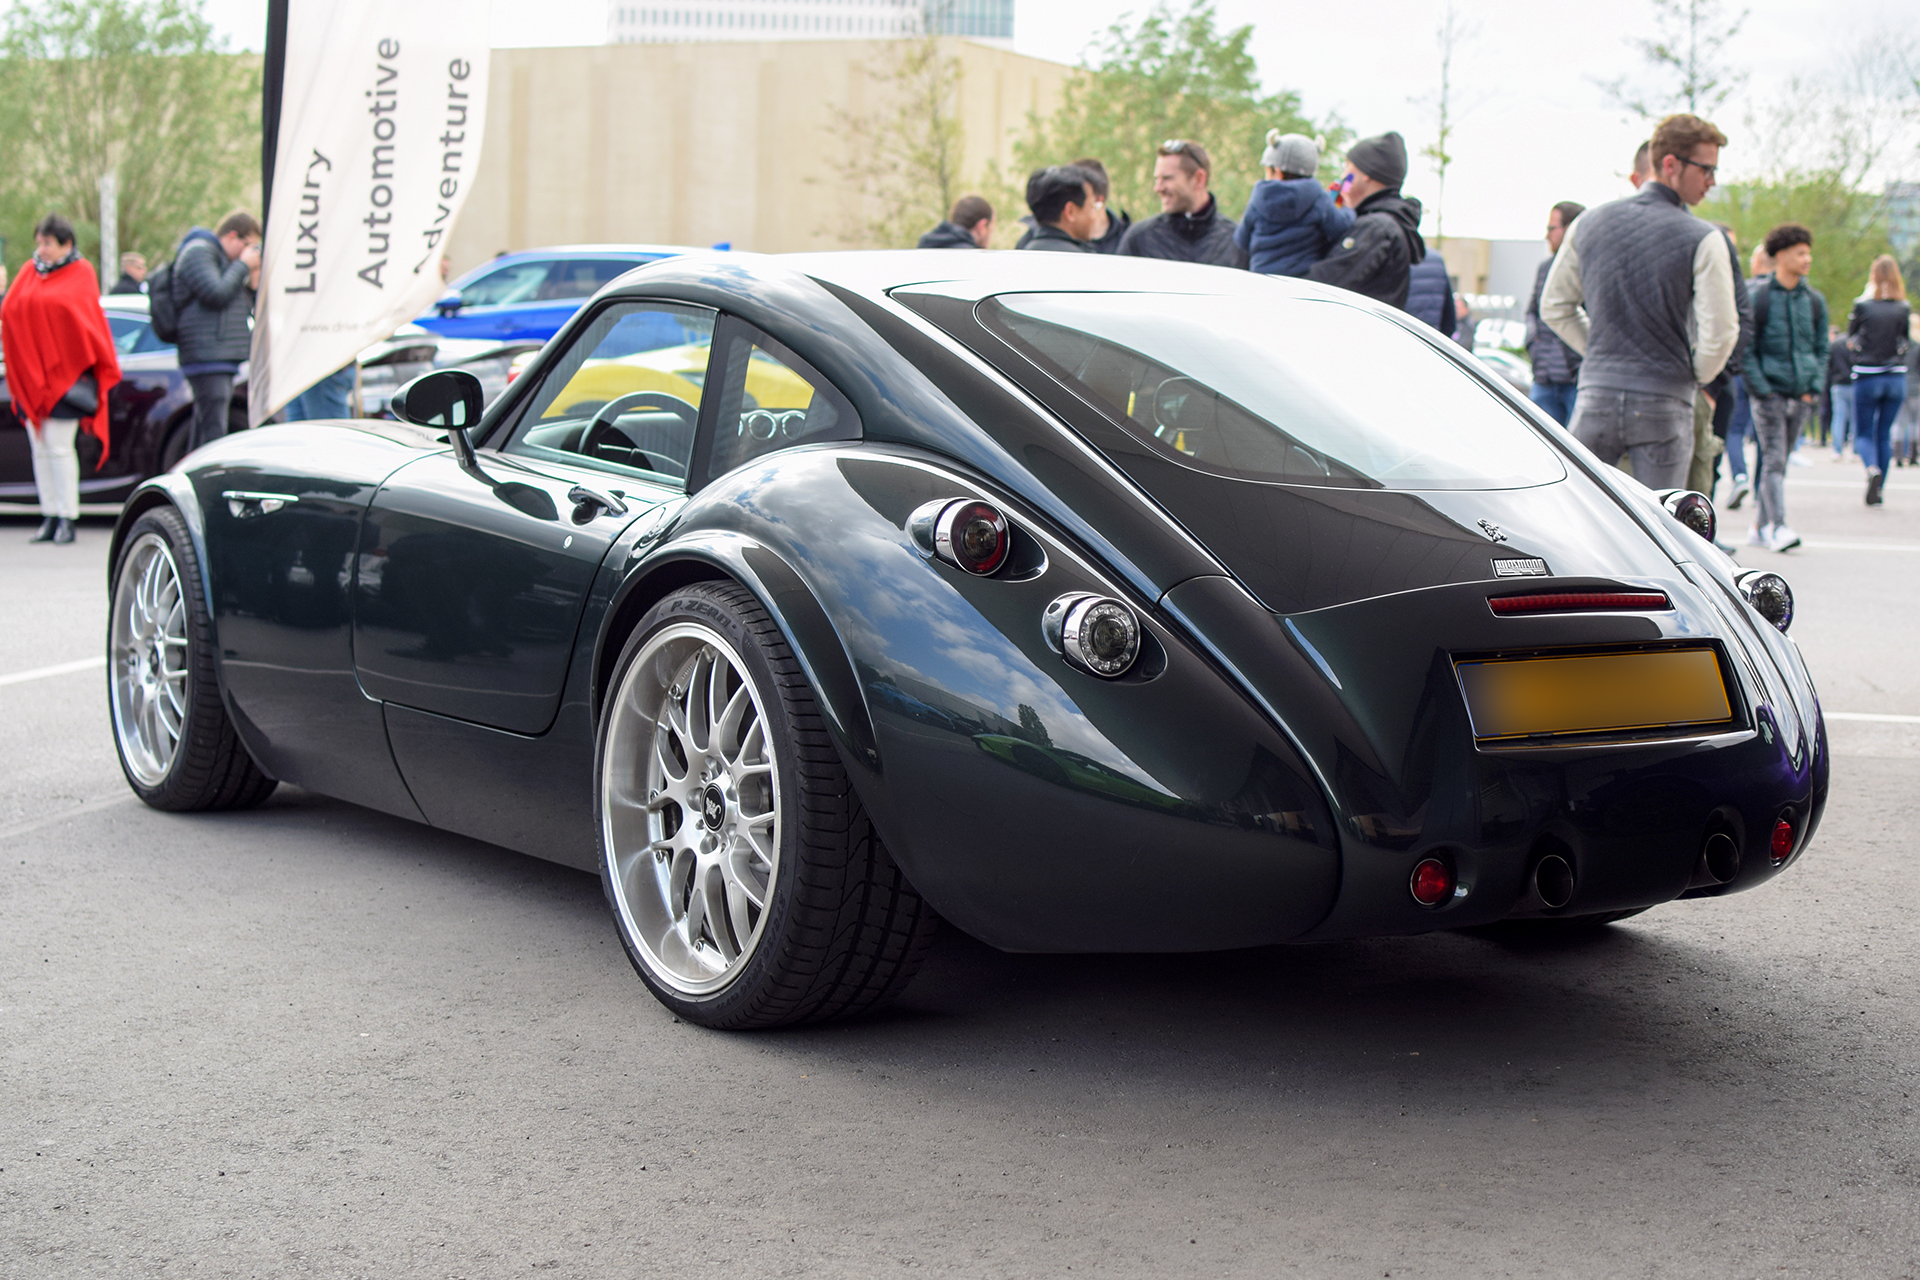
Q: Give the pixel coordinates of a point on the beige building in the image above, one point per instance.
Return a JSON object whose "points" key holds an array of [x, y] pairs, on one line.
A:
{"points": [[699, 144]]}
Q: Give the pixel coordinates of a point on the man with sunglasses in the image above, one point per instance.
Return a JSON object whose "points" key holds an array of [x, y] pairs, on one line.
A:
{"points": [[1643, 291], [1377, 255], [1189, 226]]}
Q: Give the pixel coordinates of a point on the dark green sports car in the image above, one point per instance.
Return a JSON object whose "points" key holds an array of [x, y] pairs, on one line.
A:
{"points": [[1090, 604]]}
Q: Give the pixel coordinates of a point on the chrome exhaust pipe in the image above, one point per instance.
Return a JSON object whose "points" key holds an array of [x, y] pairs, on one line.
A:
{"points": [[1553, 881], [1720, 857]]}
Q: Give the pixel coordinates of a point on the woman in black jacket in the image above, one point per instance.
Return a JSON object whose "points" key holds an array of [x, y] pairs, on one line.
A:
{"points": [[1877, 335]]}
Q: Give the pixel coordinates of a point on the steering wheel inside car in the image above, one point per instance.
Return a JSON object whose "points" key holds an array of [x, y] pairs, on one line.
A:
{"points": [[603, 420]]}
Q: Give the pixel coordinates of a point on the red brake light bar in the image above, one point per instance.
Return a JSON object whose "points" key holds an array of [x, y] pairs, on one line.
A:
{"points": [[1579, 601]]}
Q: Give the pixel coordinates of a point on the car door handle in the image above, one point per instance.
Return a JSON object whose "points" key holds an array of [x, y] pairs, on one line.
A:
{"points": [[588, 503], [244, 505]]}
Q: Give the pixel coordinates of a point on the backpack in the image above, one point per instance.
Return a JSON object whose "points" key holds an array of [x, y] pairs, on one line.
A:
{"points": [[162, 310]]}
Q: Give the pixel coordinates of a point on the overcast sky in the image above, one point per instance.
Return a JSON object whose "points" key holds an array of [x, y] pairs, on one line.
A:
{"points": [[1537, 129]]}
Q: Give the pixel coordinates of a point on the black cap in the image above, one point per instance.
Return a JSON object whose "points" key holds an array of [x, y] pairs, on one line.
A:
{"points": [[1382, 157]]}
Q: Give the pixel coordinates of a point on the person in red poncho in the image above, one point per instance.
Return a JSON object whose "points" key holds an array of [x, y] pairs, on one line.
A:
{"points": [[61, 363]]}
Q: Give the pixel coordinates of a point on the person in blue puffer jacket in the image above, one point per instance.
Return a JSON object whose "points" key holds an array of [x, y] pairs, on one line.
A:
{"points": [[1291, 220]]}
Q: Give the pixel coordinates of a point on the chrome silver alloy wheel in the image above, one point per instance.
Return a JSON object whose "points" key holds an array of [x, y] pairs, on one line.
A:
{"points": [[690, 807], [148, 661]]}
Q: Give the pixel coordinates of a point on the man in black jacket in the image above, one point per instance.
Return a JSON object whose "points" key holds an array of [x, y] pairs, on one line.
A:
{"points": [[969, 226], [1061, 198], [214, 278], [1376, 255], [1556, 366], [1189, 226]]}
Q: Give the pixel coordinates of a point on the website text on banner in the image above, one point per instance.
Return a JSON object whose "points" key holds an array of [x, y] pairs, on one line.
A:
{"points": [[381, 118]]}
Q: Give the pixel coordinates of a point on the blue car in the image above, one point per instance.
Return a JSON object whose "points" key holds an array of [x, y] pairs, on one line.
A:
{"points": [[527, 296]]}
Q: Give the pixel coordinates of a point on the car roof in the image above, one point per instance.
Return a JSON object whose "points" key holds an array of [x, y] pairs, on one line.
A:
{"points": [[972, 275], [591, 251], [126, 302]]}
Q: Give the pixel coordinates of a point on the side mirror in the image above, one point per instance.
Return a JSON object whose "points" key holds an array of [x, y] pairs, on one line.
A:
{"points": [[448, 398], [450, 302]]}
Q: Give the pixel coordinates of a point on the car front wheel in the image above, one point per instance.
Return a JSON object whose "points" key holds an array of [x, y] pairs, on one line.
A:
{"points": [[748, 886], [176, 744]]}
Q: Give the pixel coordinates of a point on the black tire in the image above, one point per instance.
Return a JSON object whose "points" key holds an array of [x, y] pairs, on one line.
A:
{"points": [[842, 929], [208, 767]]}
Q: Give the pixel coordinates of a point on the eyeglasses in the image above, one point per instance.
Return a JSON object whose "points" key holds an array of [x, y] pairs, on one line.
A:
{"points": [[1174, 147], [1710, 169]]}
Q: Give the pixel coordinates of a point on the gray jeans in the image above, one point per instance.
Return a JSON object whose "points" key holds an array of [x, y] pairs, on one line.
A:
{"points": [[1776, 425], [1654, 432]]}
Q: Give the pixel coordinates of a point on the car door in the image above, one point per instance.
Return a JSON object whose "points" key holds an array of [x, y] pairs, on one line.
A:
{"points": [[471, 580]]}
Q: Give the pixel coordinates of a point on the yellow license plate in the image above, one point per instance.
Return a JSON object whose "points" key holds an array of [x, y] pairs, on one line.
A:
{"points": [[1594, 693]]}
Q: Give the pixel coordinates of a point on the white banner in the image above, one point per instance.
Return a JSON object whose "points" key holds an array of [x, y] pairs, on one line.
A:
{"points": [[380, 125]]}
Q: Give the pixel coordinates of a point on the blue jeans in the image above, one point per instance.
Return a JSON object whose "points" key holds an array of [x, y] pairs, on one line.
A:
{"points": [[1739, 429], [327, 398], [1556, 398], [1842, 397], [1876, 403]]}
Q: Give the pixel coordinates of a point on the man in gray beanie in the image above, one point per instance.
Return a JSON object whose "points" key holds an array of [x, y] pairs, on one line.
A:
{"points": [[1376, 254], [1291, 220]]}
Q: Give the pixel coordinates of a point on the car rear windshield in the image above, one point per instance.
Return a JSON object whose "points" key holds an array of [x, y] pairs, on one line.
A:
{"points": [[1278, 390]]}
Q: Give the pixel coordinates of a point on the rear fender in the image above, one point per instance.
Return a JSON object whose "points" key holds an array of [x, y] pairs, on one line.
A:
{"points": [[720, 554]]}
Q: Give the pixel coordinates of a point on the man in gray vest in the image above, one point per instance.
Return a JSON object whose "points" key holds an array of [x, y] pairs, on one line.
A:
{"points": [[1643, 290]]}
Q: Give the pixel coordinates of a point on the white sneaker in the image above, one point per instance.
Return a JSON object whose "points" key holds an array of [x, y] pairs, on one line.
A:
{"points": [[1784, 539], [1740, 491], [1760, 536], [1799, 459]]}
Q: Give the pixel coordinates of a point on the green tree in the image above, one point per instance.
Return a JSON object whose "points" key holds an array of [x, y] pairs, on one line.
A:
{"points": [[1170, 76], [1688, 57], [1819, 152], [140, 87], [903, 155]]}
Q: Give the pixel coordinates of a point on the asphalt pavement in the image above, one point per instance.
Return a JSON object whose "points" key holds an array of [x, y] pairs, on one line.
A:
{"points": [[312, 1039]]}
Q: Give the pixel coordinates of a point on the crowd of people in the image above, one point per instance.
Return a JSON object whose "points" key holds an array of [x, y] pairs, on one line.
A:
{"points": [[1360, 234], [1647, 341]]}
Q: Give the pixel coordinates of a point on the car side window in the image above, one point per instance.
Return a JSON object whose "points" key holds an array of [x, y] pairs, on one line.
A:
{"points": [[581, 277], [133, 334], [769, 399], [519, 282], [625, 395]]}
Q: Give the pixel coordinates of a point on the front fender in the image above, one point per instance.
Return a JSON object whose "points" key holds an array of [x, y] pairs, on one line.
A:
{"points": [[171, 488]]}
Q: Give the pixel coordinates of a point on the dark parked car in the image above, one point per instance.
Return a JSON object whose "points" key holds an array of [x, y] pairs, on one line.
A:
{"points": [[148, 415], [1091, 605], [527, 296]]}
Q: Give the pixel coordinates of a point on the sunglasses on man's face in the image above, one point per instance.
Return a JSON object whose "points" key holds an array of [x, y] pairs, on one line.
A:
{"points": [[1710, 169]]}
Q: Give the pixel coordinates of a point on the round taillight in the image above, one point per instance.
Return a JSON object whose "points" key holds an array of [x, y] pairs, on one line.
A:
{"points": [[1769, 595], [1694, 510], [1431, 882], [972, 535], [1098, 634], [1782, 846]]}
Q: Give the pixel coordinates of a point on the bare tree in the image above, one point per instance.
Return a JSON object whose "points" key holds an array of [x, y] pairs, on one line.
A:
{"points": [[903, 154], [1446, 108], [1688, 57]]}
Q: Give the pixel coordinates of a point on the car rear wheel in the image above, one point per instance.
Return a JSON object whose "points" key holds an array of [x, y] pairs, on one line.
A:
{"points": [[175, 742], [748, 886]]}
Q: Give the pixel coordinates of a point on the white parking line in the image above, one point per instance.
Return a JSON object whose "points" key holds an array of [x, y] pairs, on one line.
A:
{"points": [[1861, 546], [57, 669], [1870, 717], [49, 819]]}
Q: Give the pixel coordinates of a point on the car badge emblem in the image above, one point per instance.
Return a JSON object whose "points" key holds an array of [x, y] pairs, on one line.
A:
{"points": [[1493, 531], [713, 808], [1519, 567]]}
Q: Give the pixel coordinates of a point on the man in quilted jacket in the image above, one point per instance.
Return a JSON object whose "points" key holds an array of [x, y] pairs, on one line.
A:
{"points": [[214, 278], [1643, 291]]}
